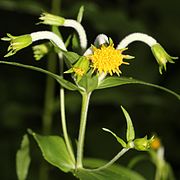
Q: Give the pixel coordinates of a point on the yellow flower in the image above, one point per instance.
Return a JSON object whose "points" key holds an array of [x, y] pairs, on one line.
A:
{"points": [[107, 59], [156, 143]]}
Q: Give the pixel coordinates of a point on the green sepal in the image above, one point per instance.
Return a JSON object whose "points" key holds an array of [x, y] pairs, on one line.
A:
{"points": [[23, 159], [161, 56], [54, 151], [51, 19], [121, 141], [130, 134], [17, 43], [143, 144]]}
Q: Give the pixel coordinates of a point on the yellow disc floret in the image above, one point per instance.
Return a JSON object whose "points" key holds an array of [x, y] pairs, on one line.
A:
{"points": [[107, 59], [79, 71]]}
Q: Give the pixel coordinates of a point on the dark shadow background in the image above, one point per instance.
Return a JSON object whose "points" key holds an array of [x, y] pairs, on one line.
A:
{"points": [[22, 91]]}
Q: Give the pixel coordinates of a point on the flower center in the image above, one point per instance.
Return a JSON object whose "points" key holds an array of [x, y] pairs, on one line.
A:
{"points": [[107, 59]]}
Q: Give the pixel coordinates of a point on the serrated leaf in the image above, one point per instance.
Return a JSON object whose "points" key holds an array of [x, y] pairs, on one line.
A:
{"points": [[121, 141], [23, 159], [130, 134], [54, 151], [118, 81], [114, 172], [66, 84]]}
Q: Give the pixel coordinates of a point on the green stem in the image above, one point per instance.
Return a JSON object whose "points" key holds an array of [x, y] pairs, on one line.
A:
{"points": [[82, 129], [62, 108], [64, 126], [112, 161]]}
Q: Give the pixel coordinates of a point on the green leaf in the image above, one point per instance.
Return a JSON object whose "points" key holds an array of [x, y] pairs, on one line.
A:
{"points": [[23, 159], [54, 151], [71, 57], [89, 82], [80, 14], [118, 81], [66, 84], [130, 134], [121, 141], [114, 172]]}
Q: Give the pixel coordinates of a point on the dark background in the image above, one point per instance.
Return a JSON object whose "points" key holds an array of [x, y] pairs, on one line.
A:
{"points": [[152, 111]]}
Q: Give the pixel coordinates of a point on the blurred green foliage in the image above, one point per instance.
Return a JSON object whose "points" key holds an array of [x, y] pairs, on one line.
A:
{"points": [[22, 91]]}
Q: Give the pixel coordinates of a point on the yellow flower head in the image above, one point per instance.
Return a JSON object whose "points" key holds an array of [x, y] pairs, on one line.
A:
{"points": [[107, 59], [156, 143]]}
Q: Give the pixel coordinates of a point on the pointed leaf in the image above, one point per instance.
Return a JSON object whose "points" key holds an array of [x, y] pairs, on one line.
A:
{"points": [[121, 141], [54, 151], [66, 84], [71, 57], [118, 81], [114, 172], [80, 14], [23, 159], [130, 134]]}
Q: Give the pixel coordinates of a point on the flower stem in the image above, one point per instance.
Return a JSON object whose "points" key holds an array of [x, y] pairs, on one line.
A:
{"points": [[150, 41], [122, 152], [64, 126], [82, 129], [62, 106]]}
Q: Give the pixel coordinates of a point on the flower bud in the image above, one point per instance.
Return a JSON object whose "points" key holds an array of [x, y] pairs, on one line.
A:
{"points": [[40, 50], [162, 57], [50, 19], [17, 43], [80, 68], [142, 144]]}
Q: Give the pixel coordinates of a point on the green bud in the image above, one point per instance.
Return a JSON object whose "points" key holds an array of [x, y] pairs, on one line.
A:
{"points": [[80, 68], [142, 144], [40, 50], [17, 43], [162, 57], [50, 19]]}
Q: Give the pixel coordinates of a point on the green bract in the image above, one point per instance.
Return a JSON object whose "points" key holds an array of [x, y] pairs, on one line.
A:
{"points": [[50, 19], [162, 57], [80, 68], [142, 144], [17, 43]]}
